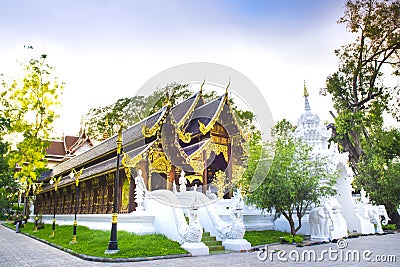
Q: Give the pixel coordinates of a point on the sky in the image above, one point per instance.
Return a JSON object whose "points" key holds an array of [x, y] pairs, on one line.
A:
{"points": [[107, 49]]}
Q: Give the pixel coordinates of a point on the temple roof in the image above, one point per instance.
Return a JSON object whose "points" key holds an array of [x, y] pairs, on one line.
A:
{"points": [[146, 133], [61, 150], [205, 113], [56, 148], [104, 166], [129, 135], [182, 111], [192, 149]]}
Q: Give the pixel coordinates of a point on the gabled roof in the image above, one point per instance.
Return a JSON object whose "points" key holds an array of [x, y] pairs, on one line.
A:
{"points": [[73, 143], [185, 117], [206, 114], [129, 136], [68, 145], [56, 149], [182, 111], [69, 141]]}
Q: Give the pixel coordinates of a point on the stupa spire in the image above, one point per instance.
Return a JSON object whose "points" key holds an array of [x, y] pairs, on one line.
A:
{"points": [[306, 103]]}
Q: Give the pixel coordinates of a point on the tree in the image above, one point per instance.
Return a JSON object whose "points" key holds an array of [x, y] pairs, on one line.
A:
{"points": [[294, 180], [29, 103], [380, 171], [7, 182], [362, 94], [359, 94]]}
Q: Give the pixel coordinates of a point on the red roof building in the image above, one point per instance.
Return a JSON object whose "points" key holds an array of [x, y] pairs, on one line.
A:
{"points": [[69, 147]]}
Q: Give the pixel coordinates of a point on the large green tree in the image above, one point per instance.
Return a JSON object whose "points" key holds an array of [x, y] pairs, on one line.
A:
{"points": [[29, 103], [363, 90], [294, 180], [8, 186], [358, 88]]}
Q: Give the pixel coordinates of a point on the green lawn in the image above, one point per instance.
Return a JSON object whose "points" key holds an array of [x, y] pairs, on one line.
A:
{"points": [[95, 242], [257, 238]]}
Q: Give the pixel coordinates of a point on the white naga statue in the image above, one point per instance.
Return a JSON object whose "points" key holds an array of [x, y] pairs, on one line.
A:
{"points": [[194, 232], [236, 229], [140, 190], [182, 182], [210, 194]]}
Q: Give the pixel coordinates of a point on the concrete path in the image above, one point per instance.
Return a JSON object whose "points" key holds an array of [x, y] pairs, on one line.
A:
{"points": [[20, 250]]}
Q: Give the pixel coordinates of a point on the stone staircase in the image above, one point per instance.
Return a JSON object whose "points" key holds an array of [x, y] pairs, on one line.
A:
{"points": [[214, 246]]}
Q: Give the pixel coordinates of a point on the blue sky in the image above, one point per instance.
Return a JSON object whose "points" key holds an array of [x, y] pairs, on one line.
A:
{"points": [[106, 49]]}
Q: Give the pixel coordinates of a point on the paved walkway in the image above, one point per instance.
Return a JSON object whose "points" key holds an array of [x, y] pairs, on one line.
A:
{"points": [[20, 250]]}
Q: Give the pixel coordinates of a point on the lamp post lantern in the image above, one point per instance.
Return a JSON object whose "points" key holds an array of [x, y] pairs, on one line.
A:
{"points": [[113, 244], [76, 175], [54, 181]]}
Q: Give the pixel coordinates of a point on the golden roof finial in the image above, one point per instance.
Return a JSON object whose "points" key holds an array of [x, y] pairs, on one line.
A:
{"points": [[105, 133], [201, 86], [305, 89], [167, 100], [229, 83]]}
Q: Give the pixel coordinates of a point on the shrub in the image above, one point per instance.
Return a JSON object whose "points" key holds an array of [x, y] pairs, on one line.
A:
{"points": [[391, 227], [290, 239]]}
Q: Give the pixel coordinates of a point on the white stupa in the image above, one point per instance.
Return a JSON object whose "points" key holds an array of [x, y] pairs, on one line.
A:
{"points": [[310, 129]]}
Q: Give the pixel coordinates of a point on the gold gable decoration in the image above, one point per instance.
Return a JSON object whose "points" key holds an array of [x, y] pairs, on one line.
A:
{"points": [[185, 137], [129, 163], [191, 178], [190, 111], [159, 162], [217, 149], [197, 165], [147, 132], [203, 129]]}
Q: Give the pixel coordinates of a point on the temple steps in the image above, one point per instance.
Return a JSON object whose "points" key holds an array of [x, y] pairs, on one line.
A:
{"points": [[214, 246]]}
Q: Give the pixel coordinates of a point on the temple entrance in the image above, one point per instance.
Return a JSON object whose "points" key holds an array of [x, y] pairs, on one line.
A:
{"points": [[158, 181], [218, 164]]}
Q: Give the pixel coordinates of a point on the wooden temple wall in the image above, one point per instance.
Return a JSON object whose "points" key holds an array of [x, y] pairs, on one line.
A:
{"points": [[96, 196]]}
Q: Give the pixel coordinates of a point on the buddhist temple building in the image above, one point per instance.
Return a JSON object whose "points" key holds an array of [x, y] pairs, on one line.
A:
{"points": [[194, 136], [67, 148]]}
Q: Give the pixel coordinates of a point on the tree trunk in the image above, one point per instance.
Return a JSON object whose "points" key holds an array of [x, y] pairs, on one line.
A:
{"points": [[291, 222]]}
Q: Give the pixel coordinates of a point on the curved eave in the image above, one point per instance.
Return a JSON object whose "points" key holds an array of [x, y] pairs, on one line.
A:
{"points": [[215, 117], [200, 149], [190, 110], [108, 146], [100, 168]]}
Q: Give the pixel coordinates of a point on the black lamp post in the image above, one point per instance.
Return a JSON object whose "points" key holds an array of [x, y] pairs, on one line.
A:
{"points": [[113, 244], [36, 190], [77, 175], [54, 181]]}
